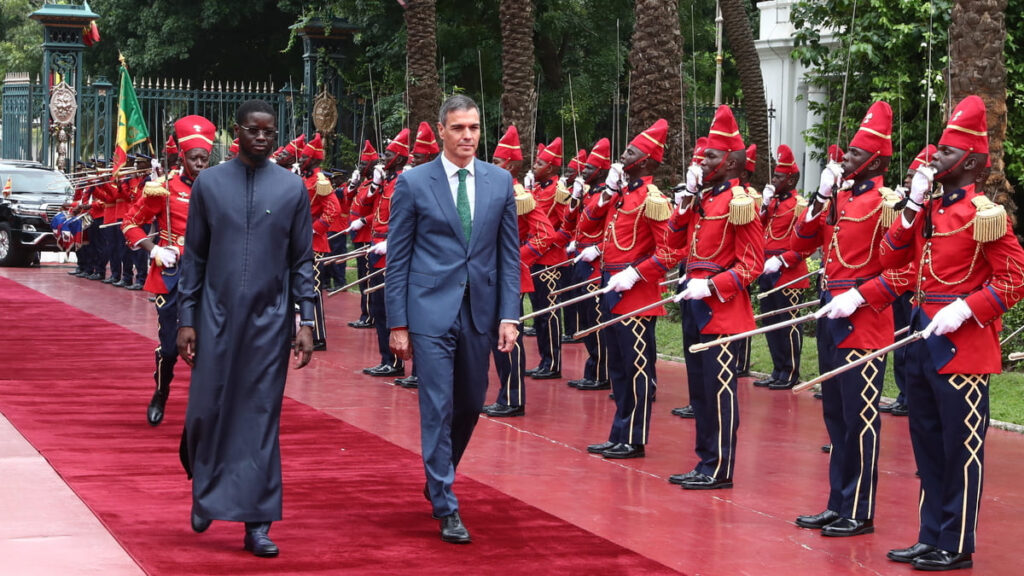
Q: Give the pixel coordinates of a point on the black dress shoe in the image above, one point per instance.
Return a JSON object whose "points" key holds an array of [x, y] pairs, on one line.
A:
{"points": [[899, 409], [567, 339], [320, 346], [412, 382], [781, 385], [155, 411], [361, 324], [848, 527], [502, 411], [826, 448], [532, 371], [453, 530], [387, 371], [704, 482], [684, 412], [764, 382], [546, 375], [940, 560], [122, 283], [135, 287], [624, 451], [678, 479], [817, 521], [817, 396], [258, 542], [886, 407], [529, 331], [575, 383], [600, 448], [595, 385], [907, 555], [199, 524], [111, 280], [81, 274], [96, 276], [372, 369]]}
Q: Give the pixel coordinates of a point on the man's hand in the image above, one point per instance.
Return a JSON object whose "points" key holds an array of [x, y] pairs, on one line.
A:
{"points": [[842, 306], [303, 346], [164, 256], [696, 289], [588, 254], [831, 176], [378, 174], [187, 345], [949, 319], [920, 185], [508, 332], [528, 180], [354, 178], [694, 178], [577, 187], [400, 344], [613, 182], [766, 194]]}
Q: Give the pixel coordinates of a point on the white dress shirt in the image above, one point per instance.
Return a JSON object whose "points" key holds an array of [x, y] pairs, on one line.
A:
{"points": [[452, 171]]}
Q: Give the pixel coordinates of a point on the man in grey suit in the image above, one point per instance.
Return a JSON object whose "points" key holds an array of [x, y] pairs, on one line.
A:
{"points": [[452, 292]]}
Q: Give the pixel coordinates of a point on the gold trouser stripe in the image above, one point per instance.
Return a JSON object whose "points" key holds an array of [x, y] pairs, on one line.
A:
{"points": [[550, 279], [793, 296], [974, 444], [726, 361], [639, 330], [868, 415]]}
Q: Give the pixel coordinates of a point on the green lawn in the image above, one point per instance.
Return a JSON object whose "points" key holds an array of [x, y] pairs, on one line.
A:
{"points": [[1007, 389]]}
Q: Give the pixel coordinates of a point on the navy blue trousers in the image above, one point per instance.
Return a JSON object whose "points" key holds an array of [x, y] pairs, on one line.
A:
{"points": [[548, 326], [632, 354], [786, 344], [511, 368]]}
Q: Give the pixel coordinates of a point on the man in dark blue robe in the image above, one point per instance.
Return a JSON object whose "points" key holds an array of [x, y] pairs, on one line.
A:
{"points": [[247, 263]]}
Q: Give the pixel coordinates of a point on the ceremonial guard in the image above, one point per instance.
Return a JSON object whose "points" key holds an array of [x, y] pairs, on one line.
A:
{"points": [[167, 203], [719, 229], [97, 239], [376, 204], [781, 208], [324, 209], [749, 167], [358, 188], [855, 319], [542, 182], [535, 233], [967, 271], [337, 235], [570, 313], [635, 255], [586, 192]]}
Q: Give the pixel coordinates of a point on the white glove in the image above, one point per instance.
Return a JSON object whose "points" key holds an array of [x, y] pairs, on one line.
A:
{"points": [[577, 187], [354, 178], [614, 179], [357, 225], [842, 306], [949, 318], [164, 256], [773, 265], [919, 186], [571, 247], [589, 254], [697, 289], [830, 177], [766, 194], [694, 178], [154, 168], [562, 182], [528, 180], [378, 174], [622, 281], [380, 248], [901, 190]]}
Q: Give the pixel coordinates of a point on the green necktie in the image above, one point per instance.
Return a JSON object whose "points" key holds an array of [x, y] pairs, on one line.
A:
{"points": [[462, 204]]}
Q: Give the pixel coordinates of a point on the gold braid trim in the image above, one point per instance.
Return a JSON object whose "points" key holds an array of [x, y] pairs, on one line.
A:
{"points": [[323, 185], [990, 221], [656, 206], [525, 203], [742, 209], [753, 193], [155, 189], [889, 200], [562, 194]]}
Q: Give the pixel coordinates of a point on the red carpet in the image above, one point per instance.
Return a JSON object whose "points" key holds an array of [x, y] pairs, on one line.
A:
{"points": [[76, 387]]}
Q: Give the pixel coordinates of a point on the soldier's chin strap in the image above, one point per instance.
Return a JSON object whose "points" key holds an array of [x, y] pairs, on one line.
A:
{"points": [[627, 167], [859, 169], [955, 165]]}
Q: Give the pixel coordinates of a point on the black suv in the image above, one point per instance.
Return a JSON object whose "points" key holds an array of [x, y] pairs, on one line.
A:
{"points": [[37, 195]]}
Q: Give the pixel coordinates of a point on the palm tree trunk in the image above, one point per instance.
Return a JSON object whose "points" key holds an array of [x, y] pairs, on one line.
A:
{"points": [[977, 36], [421, 49], [748, 63], [518, 98], [655, 90]]}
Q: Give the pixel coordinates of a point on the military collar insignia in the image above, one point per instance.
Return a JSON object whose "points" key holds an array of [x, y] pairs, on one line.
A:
{"points": [[597, 189], [783, 196], [953, 197], [185, 179], [863, 187], [635, 184], [547, 182], [721, 187]]}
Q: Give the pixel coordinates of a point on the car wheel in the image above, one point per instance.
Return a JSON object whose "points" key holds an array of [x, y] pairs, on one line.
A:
{"points": [[10, 253]]}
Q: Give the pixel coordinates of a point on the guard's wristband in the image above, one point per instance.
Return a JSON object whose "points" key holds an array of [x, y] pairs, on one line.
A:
{"points": [[306, 323]]}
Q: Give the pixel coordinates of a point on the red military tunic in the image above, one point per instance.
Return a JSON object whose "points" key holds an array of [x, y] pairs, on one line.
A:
{"points": [[634, 234], [379, 206], [535, 236], [850, 257], [987, 273], [345, 205], [324, 209], [168, 204], [779, 220], [545, 194], [358, 199], [726, 246]]}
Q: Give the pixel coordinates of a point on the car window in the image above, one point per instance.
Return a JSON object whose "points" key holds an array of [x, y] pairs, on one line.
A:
{"points": [[36, 182]]}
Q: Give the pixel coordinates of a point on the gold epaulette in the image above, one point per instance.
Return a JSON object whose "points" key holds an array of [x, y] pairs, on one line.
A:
{"points": [[755, 195], [656, 206], [890, 198], [742, 209], [323, 185], [562, 194], [155, 189], [801, 203], [525, 203], [990, 221]]}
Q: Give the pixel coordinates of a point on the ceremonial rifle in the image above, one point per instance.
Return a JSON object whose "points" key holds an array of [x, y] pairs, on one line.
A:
{"points": [[621, 317], [344, 257], [574, 286], [702, 346], [793, 308], [552, 267], [568, 302], [859, 362], [767, 293], [351, 284]]}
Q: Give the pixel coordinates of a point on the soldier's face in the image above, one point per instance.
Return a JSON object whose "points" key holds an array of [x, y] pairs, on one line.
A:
{"points": [[853, 159], [712, 160], [589, 171], [196, 160], [945, 162]]}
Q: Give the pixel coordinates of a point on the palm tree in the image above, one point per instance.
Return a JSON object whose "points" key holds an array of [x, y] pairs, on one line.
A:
{"points": [[977, 36], [655, 90], [421, 50], [518, 98], [741, 39]]}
